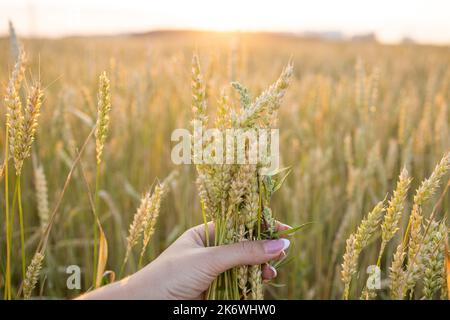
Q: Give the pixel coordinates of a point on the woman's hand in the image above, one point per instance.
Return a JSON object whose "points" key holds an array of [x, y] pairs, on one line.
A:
{"points": [[186, 269]]}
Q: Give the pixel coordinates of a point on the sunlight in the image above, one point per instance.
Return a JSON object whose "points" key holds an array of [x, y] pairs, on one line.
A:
{"points": [[425, 21]]}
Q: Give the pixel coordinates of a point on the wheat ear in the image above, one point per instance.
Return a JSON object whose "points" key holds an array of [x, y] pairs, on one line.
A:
{"points": [[357, 242], [32, 275], [397, 275], [104, 108], [433, 253], [40, 182], [389, 227]]}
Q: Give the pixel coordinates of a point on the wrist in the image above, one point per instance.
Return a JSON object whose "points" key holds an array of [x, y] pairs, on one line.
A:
{"points": [[143, 285]]}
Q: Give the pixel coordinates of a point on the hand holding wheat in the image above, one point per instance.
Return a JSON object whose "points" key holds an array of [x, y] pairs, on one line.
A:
{"points": [[187, 268]]}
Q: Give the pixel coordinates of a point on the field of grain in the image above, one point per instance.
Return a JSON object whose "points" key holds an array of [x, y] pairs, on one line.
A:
{"points": [[354, 116]]}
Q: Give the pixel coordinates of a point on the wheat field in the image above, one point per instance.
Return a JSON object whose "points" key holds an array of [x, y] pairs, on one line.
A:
{"points": [[355, 115]]}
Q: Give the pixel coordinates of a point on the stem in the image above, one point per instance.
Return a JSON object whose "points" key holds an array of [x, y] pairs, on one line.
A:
{"points": [[42, 245], [405, 237], [236, 286], [7, 295], [43, 241], [346, 291], [140, 259], [210, 295], [259, 210], [211, 290], [13, 209], [225, 274], [383, 245], [205, 221], [122, 268], [11, 225], [22, 234], [96, 199]]}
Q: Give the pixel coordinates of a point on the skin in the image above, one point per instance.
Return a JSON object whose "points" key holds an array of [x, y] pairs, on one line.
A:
{"points": [[187, 268]]}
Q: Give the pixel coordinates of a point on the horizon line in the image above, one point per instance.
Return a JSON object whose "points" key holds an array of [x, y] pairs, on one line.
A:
{"points": [[322, 35]]}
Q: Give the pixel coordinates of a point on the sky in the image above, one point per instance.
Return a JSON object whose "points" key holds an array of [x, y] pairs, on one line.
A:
{"points": [[426, 21]]}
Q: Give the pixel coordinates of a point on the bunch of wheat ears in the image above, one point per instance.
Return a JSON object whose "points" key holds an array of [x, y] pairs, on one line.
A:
{"points": [[236, 197]]}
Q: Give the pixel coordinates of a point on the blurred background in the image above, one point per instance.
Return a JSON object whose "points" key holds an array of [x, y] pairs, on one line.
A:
{"points": [[389, 21]]}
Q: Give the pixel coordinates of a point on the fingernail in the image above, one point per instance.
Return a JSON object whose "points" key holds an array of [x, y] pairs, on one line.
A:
{"points": [[274, 246], [287, 227], [274, 271]]}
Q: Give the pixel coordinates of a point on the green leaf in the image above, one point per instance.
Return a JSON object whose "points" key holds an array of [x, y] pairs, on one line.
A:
{"points": [[278, 171], [279, 181], [276, 285], [275, 179], [289, 231], [281, 263]]}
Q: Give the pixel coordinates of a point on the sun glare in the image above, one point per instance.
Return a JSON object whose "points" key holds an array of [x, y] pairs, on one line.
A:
{"points": [[424, 21]]}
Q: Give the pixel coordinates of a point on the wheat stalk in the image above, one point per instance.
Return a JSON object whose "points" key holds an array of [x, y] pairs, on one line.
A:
{"points": [[153, 210], [21, 128], [13, 142], [137, 226], [357, 242], [145, 218], [101, 131]]}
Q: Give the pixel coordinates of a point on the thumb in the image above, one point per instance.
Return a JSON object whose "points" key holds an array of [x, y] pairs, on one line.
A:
{"points": [[246, 253]]}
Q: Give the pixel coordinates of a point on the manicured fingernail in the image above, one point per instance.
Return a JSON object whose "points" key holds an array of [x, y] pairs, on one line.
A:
{"points": [[274, 271], [286, 226], [274, 246], [286, 242]]}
